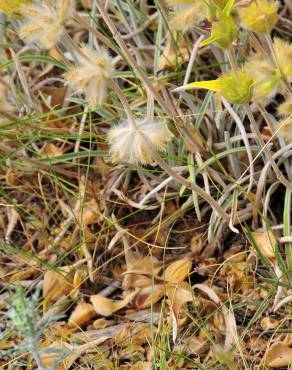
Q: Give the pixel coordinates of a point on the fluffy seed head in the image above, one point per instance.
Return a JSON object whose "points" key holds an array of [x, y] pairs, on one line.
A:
{"points": [[43, 24], [91, 76], [186, 14], [137, 145], [260, 16]]}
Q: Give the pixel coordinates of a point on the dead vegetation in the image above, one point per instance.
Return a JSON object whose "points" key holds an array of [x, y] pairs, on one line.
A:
{"points": [[141, 227]]}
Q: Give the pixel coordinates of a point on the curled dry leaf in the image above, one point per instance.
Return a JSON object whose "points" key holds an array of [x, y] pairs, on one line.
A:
{"points": [[51, 150], [140, 272], [268, 323], [266, 243], [102, 323], [73, 353], [149, 296], [178, 271], [279, 355], [171, 56], [142, 365], [88, 213], [53, 353], [197, 346], [230, 323], [82, 314], [178, 295], [106, 307], [57, 283], [136, 334]]}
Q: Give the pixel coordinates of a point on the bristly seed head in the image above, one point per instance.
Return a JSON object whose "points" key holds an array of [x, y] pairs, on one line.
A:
{"points": [[186, 14], [43, 24], [286, 107], [135, 146], [285, 129], [12, 7], [259, 16], [91, 76]]}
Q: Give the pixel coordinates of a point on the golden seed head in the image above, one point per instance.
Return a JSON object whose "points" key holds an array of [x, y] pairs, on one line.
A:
{"points": [[266, 76], [186, 14], [237, 89], [91, 76], [260, 16], [224, 32], [135, 146]]}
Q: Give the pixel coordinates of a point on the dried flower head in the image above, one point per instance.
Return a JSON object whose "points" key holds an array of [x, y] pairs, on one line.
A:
{"points": [[260, 16], [44, 23], [186, 13], [286, 107], [236, 89], [283, 52], [91, 76], [135, 146], [12, 7], [266, 76]]}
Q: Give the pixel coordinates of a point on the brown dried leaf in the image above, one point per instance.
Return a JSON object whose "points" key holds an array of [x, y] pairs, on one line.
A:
{"points": [[140, 272], [279, 355], [178, 296], [106, 307], [51, 150], [102, 323], [149, 296], [56, 284], [142, 365], [178, 271], [197, 346], [82, 314], [266, 243], [89, 213], [171, 56], [268, 323], [137, 335], [49, 358]]}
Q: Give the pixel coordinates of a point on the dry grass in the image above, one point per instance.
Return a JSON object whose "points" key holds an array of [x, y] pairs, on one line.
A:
{"points": [[184, 262]]}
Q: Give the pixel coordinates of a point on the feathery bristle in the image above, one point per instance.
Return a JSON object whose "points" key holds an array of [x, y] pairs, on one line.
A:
{"points": [[91, 76], [43, 24], [135, 146]]}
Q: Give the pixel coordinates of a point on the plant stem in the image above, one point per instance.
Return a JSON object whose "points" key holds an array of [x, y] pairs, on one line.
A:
{"points": [[193, 187], [278, 173]]}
